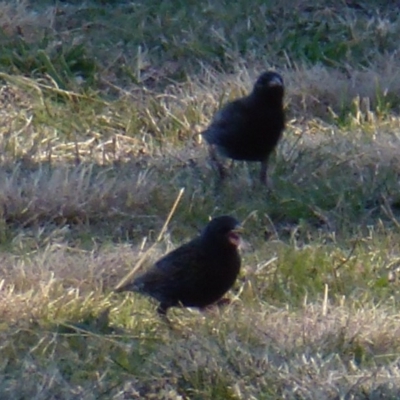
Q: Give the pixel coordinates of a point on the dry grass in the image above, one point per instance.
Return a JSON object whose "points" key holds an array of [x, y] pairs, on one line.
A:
{"points": [[101, 109], [251, 349]]}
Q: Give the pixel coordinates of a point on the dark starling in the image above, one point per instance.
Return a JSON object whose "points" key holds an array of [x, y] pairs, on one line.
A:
{"points": [[198, 273], [250, 127]]}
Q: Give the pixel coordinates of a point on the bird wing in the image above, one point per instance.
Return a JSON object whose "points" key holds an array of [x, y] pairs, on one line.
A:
{"points": [[173, 270], [229, 119]]}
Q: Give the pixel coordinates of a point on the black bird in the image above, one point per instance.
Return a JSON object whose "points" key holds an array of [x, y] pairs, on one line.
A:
{"points": [[250, 127], [198, 273]]}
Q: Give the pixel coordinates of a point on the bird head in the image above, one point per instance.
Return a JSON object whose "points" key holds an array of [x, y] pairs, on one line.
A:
{"points": [[224, 230], [268, 81]]}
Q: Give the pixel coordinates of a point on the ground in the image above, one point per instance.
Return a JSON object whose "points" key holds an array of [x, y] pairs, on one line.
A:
{"points": [[103, 170]]}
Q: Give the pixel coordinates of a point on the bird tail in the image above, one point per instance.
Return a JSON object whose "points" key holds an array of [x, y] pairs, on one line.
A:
{"points": [[129, 287]]}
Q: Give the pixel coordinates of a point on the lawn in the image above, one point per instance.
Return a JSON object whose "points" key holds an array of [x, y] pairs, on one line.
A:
{"points": [[103, 171]]}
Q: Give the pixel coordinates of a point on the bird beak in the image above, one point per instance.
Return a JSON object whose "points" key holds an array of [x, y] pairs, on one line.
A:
{"points": [[234, 236], [275, 81]]}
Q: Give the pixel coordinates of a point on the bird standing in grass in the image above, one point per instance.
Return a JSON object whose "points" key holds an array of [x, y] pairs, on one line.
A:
{"points": [[249, 128], [198, 273]]}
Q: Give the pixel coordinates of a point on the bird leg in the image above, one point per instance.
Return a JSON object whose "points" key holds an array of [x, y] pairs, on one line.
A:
{"points": [[162, 309], [217, 164], [263, 172], [223, 302], [217, 305], [162, 312]]}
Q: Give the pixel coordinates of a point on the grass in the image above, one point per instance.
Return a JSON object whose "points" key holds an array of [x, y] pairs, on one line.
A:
{"points": [[102, 104]]}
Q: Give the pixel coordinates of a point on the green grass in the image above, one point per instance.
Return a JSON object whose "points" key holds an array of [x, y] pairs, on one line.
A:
{"points": [[102, 104]]}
